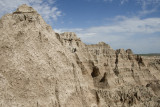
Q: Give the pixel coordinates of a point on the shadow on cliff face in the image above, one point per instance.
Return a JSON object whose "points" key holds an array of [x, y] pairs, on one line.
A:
{"points": [[103, 78], [100, 81], [155, 86], [80, 64], [95, 72], [140, 61], [155, 64]]}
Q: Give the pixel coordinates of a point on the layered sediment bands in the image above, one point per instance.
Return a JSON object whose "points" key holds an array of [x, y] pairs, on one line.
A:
{"points": [[41, 68], [116, 70]]}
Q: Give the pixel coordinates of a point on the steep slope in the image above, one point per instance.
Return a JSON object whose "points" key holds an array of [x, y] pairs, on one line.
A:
{"points": [[41, 68], [35, 69], [119, 78], [125, 79]]}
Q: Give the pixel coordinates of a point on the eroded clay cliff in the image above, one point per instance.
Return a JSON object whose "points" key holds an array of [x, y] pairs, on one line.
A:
{"points": [[119, 78], [41, 68]]}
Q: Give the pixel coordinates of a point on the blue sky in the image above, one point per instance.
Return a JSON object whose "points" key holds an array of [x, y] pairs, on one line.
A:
{"points": [[124, 24]]}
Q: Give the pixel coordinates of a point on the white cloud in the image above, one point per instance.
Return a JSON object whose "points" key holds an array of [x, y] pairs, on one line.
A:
{"points": [[123, 1], [146, 3], [44, 7], [148, 6], [135, 33], [68, 30], [108, 0], [127, 26]]}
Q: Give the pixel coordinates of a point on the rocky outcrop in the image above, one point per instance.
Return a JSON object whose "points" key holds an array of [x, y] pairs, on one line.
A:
{"points": [[119, 78], [35, 68], [41, 68]]}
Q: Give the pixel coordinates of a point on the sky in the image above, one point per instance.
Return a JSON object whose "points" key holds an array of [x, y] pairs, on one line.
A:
{"points": [[128, 24]]}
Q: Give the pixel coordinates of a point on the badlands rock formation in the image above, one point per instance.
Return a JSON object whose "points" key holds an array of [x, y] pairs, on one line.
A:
{"points": [[41, 68]]}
